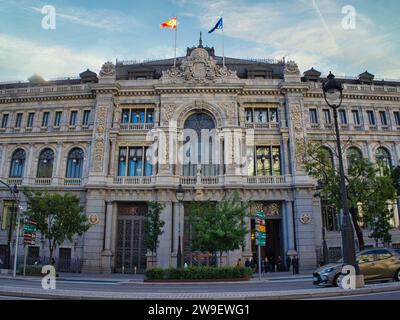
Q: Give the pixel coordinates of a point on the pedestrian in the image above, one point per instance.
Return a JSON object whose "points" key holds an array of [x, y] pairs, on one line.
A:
{"points": [[186, 265], [288, 263], [271, 264], [247, 263], [279, 264], [252, 264], [295, 263], [266, 264], [239, 263]]}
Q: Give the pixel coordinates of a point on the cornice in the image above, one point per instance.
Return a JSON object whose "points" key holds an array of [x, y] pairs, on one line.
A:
{"points": [[351, 96], [47, 98]]}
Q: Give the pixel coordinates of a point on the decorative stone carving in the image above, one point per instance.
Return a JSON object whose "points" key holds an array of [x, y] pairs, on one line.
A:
{"points": [[99, 139], [169, 110], [107, 70], [198, 68], [299, 136], [305, 218], [291, 68]]}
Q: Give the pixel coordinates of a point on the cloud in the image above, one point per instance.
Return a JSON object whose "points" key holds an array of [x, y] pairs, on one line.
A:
{"points": [[21, 58], [307, 31], [103, 19]]}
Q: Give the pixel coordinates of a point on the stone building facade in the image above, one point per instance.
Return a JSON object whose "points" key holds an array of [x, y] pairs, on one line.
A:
{"points": [[118, 141]]}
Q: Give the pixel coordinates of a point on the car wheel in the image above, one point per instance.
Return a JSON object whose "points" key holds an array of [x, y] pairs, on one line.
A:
{"points": [[397, 276], [336, 281]]}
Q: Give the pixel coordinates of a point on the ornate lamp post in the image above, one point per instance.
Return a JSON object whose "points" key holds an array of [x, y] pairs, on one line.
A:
{"points": [[333, 93], [14, 191], [180, 195]]}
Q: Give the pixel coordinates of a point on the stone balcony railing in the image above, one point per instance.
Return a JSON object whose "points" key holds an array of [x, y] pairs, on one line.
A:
{"points": [[43, 90], [266, 125], [362, 88], [204, 181], [136, 126], [48, 182]]}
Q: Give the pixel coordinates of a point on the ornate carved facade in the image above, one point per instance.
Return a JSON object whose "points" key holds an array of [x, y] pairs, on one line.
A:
{"points": [[119, 141]]}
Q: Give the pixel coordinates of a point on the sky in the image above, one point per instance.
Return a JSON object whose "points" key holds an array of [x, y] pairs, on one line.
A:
{"points": [[324, 34]]}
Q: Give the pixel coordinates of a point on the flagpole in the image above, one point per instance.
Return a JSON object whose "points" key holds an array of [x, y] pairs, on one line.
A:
{"points": [[223, 45], [176, 40]]}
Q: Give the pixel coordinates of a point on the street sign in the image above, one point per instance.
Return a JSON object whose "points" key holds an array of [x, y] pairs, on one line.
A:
{"points": [[260, 229], [30, 228]]}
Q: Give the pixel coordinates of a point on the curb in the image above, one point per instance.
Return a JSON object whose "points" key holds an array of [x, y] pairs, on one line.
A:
{"points": [[273, 295]]}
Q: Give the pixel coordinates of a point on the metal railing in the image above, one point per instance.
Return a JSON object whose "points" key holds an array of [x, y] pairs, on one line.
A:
{"points": [[61, 264]]}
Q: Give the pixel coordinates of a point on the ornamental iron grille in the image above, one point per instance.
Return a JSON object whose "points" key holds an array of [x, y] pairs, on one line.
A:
{"points": [[131, 250]]}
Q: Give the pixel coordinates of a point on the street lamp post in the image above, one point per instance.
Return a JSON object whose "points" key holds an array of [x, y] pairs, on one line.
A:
{"points": [[180, 195], [333, 93], [14, 191]]}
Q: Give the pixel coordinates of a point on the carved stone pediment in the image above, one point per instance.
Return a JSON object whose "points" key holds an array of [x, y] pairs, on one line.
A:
{"points": [[291, 68], [107, 70], [199, 68]]}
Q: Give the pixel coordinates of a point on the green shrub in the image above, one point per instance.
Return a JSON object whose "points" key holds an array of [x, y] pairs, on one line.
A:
{"points": [[31, 270], [198, 273]]}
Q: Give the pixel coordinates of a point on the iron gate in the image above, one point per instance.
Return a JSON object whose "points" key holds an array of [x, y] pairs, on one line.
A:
{"points": [[131, 250]]}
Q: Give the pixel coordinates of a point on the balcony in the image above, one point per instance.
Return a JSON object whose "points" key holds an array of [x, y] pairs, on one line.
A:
{"points": [[263, 125], [43, 181], [72, 181], [136, 126], [267, 180], [133, 180], [14, 181]]}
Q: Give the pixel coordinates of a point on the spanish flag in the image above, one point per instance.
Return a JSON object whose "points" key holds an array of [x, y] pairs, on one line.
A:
{"points": [[170, 24]]}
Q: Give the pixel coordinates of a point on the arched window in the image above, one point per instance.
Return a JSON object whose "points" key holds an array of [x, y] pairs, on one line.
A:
{"points": [[384, 161], [45, 166], [353, 153], [199, 149], [326, 157], [17, 164], [75, 163]]}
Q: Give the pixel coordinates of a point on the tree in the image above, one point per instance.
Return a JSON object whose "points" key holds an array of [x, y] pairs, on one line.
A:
{"points": [[59, 217], [368, 192], [218, 227], [153, 226]]}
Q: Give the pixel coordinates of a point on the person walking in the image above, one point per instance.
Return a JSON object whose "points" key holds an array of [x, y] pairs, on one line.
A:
{"points": [[295, 263], [266, 264], [279, 264], [239, 263], [247, 263]]}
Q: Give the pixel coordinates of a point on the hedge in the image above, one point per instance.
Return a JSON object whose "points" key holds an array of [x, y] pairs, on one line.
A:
{"points": [[31, 270], [198, 273]]}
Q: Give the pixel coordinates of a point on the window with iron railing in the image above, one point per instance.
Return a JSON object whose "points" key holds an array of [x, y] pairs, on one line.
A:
{"points": [[135, 162], [137, 116], [262, 115]]}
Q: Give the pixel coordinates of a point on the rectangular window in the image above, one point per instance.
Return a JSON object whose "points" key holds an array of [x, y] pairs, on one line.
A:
{"points": [[383, 116], [4, 121], [125, 116], [261, 115], [45, 120], [343, 117], [72, 119], [86, 117], [397, 118], [327, 116], [57, 119], [273, 115], [356, 117], [138, 116], [31, 118], [133, 162], [313, 116], [268, 162], [18, 121], [249, 115], [150, 115], [371, 118]]}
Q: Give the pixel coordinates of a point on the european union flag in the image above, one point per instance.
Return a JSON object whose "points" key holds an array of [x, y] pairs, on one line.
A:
{"points": [[219, 25]]}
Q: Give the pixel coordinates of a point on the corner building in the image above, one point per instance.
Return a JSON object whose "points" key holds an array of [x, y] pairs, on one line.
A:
{"points": [[98, 135]]}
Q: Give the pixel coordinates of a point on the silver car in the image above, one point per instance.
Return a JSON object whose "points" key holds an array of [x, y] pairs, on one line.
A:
{"points": [[375, 264]]}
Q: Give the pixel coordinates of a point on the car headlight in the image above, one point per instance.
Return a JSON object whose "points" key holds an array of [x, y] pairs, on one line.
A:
{"points": [[329, 270]]}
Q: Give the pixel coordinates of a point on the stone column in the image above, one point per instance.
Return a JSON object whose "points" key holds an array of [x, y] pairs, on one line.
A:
{"points": [[164, 248], [106, 255], [58, 164], [29, 165], [287, 223]]}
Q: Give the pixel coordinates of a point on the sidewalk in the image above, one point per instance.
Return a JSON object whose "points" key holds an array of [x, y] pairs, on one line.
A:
{"points": [[117, 277]]}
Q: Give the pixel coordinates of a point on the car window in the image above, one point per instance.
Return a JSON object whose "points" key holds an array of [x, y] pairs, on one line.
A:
{"points": [[383, 254], [366, 257]]}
